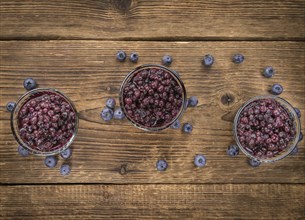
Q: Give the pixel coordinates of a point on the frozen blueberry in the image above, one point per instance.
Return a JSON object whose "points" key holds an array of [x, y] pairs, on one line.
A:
{"points": [[192, 101], [200, 160], [110, 103], [66, 154], [22, 151], [29, 84], [118, 114], [10, 106], [50, 161], [277, 89], [107, 114], [208, 60], [176, 125], [295, 150], [232, 150], [161, 165], [167, 60], [300, 137], [298, 112], [254, 163], [134, 57], [269, 72], [187, 128], [121, 55], [65, 169], [238, 58]]}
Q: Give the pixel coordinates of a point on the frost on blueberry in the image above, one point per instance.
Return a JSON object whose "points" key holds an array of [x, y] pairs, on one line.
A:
{"points": [[276, 89], [192, 101], [118, 114], [233, 150], [238, 58], [134, 57], [29, 84], [200, 160], [66, 154], [269, 72], [161, 165], [10, 106], [208, 60], [176, 124], [298, 112], [50, 161], [167, 60], [110, 103], [187, 128], [22, 151], [254, 163], [121, 55], [107, 114], [65, 170]]}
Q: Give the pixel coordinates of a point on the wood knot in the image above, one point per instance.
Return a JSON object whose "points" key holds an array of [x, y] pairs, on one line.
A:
{"points": [[123, 169], [122, 5], [227, 99]]}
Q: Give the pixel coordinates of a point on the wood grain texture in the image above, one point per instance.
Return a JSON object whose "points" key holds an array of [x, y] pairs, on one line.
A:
{"points": [[129, 20], [238, 201], [88, 73]]}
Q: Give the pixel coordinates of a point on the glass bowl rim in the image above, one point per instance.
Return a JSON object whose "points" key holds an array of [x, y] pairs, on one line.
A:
{"points": [[294, 115], [175, 74], [24, 98]]}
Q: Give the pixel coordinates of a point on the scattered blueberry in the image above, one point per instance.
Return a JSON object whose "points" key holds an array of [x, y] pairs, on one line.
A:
{"points": [[66, 154], [107, 114], [121, 55], [110, 103], [65, 169], [192, 101], [10, 106], [161, 165], [187, 128], [298, 112], [29, 84], [233, 150], [208, 60], [254, 163], [134, 57], [200, 160], [118, 114], [269, 72], [238, 58], [176, 124], [22, 151], [300, 137], [167, 60], [50, 161], [277, 89], [295, 150]]}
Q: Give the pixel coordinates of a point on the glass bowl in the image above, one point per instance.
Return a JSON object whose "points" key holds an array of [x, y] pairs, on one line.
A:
{"points": [[292, 115], [14, 121], [174, 75]]}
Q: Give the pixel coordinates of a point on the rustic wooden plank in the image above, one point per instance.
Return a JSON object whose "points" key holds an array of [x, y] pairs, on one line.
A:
{"points": [[88, 73], [221, 201], [126, 19]]}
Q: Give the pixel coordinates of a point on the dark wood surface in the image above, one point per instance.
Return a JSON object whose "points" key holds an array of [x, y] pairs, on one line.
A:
{"points": [[71, 46]]}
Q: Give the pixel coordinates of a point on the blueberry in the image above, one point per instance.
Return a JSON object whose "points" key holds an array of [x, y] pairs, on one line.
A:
{"points": [[66, 154], [107, 114], [134, 57], [269, 72], [277, 89], [300, 137], [161, 165], [238, 58], [65, 169], [121, 55], [298, 112], [176, 124], [200, 160], [187, 128], [167, 60], [10, 106], [29, 84], [118, 114], [295, 150], [50, 161], [22, 151], [254, 163], [208, 60], [110, 103], [192, 101], [233, 150]]}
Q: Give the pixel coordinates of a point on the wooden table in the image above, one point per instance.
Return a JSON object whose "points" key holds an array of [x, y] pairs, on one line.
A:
{"points": [[71, 46]]}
